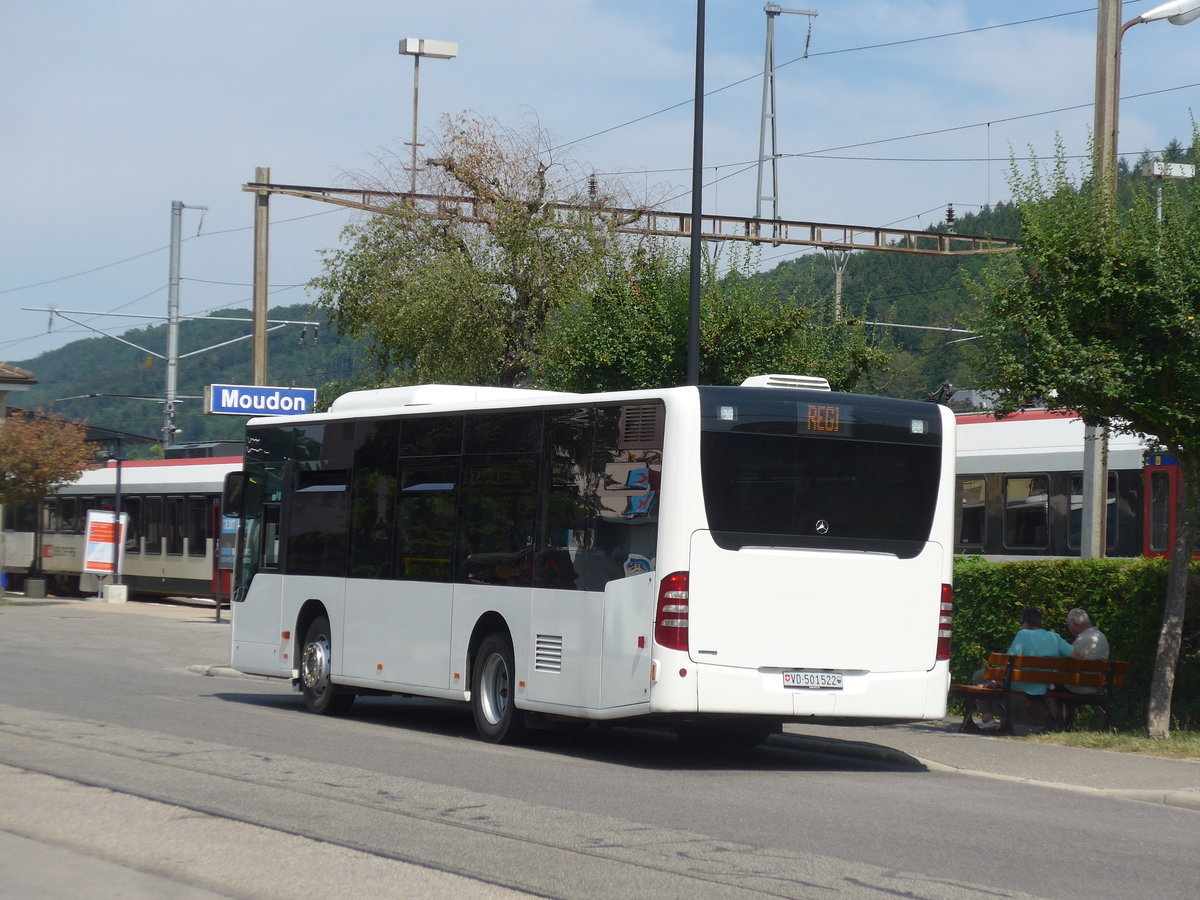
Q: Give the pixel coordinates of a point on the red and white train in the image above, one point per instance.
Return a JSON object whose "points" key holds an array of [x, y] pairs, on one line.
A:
{"points": [[1020, 488], [174, 508]]}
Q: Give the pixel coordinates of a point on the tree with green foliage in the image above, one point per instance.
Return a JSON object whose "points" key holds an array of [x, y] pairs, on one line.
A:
{"points": [[38, 455], [530, 283], [630, 331], [1098, 311], [463, 293]]}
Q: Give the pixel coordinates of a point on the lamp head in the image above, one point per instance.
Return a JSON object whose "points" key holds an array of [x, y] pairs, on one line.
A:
{"points": [[433, 49], [1177, 12]]}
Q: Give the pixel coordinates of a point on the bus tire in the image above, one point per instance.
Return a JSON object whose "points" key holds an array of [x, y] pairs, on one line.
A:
{"points": [[321, 695], [493, 689]]}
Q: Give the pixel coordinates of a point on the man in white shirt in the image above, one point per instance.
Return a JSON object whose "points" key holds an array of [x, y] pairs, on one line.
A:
{"points": [[1089, 642]]}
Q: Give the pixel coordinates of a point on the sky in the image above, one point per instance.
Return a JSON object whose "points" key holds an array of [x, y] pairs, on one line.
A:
{"points": [[111, 111]]}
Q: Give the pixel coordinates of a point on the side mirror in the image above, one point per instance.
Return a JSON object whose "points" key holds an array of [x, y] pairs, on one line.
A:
{"points": [[233, 494]]}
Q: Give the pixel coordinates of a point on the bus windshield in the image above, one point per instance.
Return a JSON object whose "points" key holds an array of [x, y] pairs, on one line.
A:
{"points": [[825, 471]]}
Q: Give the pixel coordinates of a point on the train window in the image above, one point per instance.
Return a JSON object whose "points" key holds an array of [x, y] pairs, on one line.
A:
{"points": [[1160, 511], [132, 507], [153, 523], [1110, 524], [50, 515], [20, 516], [174, 526], [1026, 510], [69, 519], [86, 504], [970, 515], [196, 525]]}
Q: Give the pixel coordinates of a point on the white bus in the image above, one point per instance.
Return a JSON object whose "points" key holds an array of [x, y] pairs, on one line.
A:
{"points": [[719, 559]]}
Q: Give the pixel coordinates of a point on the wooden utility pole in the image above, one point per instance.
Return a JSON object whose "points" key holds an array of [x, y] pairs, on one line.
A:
{"points": [[262, 228]]}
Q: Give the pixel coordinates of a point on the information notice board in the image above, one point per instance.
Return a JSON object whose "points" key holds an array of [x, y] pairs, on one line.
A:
{"points": [[104, 548]]}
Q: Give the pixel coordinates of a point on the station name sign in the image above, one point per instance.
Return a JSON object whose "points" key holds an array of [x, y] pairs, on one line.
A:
{"points": [[244, 400]]}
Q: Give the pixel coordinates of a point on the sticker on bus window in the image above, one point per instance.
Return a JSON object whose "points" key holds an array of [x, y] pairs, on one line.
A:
{"points": [[637, 565], [640, 506], [638, 479]]}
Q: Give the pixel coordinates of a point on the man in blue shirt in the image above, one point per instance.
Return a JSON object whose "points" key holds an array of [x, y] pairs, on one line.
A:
{"points": [[1031, 640]]}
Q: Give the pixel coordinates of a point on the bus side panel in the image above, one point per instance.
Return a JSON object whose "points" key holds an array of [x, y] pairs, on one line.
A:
{"points": [[471, 603], [257, 643], [565, 634], [398, 632], [628, 637], [591, 650]]}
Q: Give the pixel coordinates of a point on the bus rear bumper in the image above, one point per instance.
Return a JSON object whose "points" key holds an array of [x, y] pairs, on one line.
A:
{"points": [[882, 695]]}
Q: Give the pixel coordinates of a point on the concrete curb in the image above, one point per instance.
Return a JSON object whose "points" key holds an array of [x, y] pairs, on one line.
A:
{"points": [[1181, 799], [217, 672]]}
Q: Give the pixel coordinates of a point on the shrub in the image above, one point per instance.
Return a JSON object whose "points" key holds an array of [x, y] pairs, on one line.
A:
{"points": [[1124, 597]]}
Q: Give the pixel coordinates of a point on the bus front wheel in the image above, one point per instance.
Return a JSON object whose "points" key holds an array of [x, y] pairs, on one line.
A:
{"points": [[321, 695], [493, 688]]}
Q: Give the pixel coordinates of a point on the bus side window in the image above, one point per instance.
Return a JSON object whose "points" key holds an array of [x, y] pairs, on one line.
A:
{"points": [[426, 519], [318, 523], [269, 551], [627, 474], [373, 499], [499, 507]]}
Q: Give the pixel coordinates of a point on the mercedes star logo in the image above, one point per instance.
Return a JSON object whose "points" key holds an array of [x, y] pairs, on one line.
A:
{"points": [[822, 526]]}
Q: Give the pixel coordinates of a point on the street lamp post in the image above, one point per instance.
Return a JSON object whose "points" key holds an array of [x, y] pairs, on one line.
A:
{"points": [[1109, 32], [695, 244], [416, 48], [118, 457]]}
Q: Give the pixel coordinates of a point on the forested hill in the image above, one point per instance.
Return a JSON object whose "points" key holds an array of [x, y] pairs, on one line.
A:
{"points": [[103, 366], [908, 289]]}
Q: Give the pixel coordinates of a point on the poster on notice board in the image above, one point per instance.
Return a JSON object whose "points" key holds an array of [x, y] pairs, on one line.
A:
{"points": [[104, 549]]}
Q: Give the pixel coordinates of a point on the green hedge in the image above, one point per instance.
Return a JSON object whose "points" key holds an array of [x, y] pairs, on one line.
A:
{"points": [[1124, 598]]}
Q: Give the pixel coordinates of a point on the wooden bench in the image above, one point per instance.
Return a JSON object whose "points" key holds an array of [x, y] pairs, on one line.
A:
{"points": [[1005, 670]]}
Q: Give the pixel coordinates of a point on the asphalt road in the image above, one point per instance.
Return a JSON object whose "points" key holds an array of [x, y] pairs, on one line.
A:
{"points": [[126, 773]]}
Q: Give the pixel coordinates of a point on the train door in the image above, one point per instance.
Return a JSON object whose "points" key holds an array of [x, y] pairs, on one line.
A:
{"points": [[1160, 497]]}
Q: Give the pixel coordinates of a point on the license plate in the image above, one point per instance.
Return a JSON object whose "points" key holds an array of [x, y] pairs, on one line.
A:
{"points": [[803, 679]]}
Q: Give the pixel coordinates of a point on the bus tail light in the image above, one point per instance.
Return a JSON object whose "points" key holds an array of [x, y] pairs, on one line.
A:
{"points": [[944, 619], [671, 620]]}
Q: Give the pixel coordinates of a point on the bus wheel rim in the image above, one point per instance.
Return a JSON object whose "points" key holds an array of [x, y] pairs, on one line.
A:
{"points": [[495, 688], [315, 667]]}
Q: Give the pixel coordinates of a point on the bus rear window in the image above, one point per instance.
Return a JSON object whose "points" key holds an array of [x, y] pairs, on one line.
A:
{"points": [[763, 489]]}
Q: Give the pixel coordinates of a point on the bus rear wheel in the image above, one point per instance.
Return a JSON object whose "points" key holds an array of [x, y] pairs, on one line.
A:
{"points": [[493, 688], [321, 695]]}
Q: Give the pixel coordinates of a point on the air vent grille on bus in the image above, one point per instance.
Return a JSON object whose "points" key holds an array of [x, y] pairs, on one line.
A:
{"points": [[807, 382], [547, 653], [641, 427]]}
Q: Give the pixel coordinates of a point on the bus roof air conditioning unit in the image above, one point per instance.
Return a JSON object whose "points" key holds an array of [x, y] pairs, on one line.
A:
{"points": [[804, 382]]}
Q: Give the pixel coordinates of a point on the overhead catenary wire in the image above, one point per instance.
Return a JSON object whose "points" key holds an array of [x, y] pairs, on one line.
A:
{"points": [[808, 55]]}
